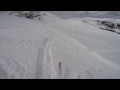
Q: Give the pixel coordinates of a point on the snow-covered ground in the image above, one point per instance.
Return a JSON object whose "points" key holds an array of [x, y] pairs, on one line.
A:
{"points": [[104, 23], [55, 48]]}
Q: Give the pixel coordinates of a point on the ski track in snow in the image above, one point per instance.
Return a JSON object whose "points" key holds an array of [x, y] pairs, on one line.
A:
{"points": [[45, 68]]}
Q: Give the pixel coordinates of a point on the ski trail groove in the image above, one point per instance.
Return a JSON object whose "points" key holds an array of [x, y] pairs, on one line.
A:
{"points": [[45, 67], [40, 54]]}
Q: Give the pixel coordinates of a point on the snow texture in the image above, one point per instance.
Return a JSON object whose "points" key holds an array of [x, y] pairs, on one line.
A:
{"points": [[55, 48]]}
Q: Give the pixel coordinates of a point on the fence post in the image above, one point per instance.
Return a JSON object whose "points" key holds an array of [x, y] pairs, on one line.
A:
{"points": [[76, 32]]}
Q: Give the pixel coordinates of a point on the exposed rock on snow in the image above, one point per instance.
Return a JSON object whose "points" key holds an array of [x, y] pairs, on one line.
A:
{"points": [[27, 14], [108, 25]]}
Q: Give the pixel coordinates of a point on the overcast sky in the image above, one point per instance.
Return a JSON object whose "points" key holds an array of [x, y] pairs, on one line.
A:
{"points": [[74, 14]]}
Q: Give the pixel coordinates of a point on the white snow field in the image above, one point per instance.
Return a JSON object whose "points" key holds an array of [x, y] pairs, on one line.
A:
{"points": [[55, 48]]}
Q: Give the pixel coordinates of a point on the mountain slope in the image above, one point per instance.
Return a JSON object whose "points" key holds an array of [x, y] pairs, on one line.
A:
{"points": [[104, 24], [56, 48]]}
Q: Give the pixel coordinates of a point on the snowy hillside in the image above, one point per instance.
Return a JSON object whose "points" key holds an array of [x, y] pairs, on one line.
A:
{"points": [[104, 24], [25, 14], [55, 48]]}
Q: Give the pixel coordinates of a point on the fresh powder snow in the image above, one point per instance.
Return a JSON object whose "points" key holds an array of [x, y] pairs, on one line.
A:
{"points": [[57, 48]]}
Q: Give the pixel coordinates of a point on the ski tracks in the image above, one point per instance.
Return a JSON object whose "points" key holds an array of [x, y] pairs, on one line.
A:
{"points": [[45, 66]]}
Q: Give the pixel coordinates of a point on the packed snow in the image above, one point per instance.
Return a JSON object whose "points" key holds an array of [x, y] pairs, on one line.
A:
{"points": [[56, 48]]}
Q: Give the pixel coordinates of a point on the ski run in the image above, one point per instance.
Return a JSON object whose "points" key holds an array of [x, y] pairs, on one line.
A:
{"points": [[55, 48]]}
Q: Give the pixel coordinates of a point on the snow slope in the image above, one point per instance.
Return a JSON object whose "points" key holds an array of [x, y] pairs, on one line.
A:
{"points": [[55, 48], [104, 23]]}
